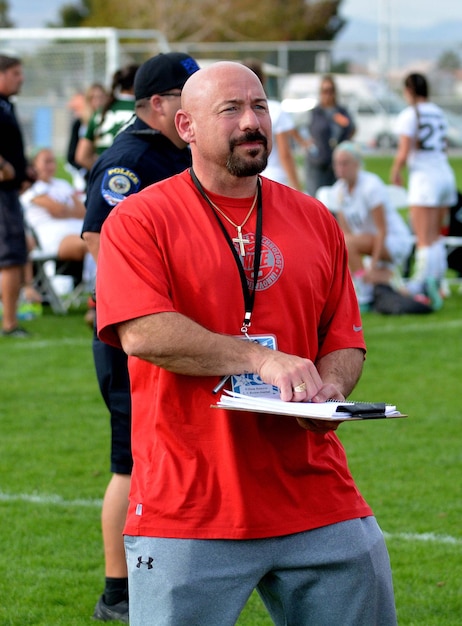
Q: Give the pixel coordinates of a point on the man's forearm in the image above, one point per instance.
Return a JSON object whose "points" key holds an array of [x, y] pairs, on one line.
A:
{"points": [[92, 241], [180, 345], [176, 343], [342, 368]]}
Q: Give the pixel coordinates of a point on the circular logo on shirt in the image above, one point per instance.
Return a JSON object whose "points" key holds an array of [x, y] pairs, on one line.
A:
{"points": [[271, 262], [118, 183]]}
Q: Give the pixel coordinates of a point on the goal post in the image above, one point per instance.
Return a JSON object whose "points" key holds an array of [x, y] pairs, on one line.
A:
{"points": [[59, 62]]}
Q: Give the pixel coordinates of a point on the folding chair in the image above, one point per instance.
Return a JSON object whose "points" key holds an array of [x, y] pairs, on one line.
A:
{"points": [[47, 287], [46, 268]]}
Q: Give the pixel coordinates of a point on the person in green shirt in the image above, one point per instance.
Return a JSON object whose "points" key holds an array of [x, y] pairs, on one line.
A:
{"points": [[106, 123]]}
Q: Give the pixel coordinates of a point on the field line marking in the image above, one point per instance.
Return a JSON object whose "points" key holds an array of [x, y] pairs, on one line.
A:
{"points": [[97, 503], [49, 343], [406, 328], [49, 499], [425, 537]]}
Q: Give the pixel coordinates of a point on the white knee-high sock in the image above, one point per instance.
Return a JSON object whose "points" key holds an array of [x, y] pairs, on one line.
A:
{"points": [[441, 258], [364, 291], [420, 271]]}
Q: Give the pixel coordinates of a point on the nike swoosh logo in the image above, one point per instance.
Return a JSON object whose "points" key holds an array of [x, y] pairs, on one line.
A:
{"points": [[357, 328]]}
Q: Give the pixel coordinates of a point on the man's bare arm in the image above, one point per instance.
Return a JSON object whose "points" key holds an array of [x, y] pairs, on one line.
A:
{"points": [[92, 241], [340, 369], [180, 345]]}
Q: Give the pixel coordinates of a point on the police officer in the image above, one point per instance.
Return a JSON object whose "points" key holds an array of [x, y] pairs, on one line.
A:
{"points": [[146, 151]]}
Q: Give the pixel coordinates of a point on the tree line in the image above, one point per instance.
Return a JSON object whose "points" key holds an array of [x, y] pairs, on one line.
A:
{"points": [[205, 20]]}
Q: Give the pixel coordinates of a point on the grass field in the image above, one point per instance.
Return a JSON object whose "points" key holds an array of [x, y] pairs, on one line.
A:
{"points": [[54, 451], [382, 165]]}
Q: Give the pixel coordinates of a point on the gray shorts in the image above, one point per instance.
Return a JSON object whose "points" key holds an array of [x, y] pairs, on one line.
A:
{"points": [[330, 576], [13, 249]]}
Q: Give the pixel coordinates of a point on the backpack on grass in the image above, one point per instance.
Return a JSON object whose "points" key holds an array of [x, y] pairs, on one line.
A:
{"points": [[455, 230], [391, 302]]}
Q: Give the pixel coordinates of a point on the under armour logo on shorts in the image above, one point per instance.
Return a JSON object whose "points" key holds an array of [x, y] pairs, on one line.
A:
{"points": [[148, 562]]}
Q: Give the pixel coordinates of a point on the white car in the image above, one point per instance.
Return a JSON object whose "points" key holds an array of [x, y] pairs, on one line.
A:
{"points": [[372, 105]]}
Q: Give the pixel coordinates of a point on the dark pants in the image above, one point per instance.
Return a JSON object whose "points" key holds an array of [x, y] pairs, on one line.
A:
{"points": [[13, 250], [112, 374], [318, 176]]}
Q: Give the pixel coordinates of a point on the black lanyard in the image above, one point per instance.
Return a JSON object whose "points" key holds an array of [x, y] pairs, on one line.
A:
{"points": [[249, 295]]}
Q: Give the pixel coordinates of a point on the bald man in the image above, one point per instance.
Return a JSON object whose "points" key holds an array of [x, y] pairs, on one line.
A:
{"points": [[219, 277]]}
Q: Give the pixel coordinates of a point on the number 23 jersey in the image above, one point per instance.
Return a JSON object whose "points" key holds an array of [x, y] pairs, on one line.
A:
{"points": [[429, 125]]}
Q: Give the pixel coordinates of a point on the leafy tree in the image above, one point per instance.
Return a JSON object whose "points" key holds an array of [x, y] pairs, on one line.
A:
{"points": [[209, 20], [449, 60], [72, 15], [5, 21]]}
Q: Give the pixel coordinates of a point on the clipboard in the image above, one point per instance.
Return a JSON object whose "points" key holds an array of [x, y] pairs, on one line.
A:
{"points": [[327, 411]]}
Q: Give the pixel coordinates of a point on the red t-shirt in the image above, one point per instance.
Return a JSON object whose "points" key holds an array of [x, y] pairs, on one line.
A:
{"points": [[207, 473]]}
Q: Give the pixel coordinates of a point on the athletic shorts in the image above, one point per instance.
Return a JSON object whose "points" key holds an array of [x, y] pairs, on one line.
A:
{"points": [[114, 383], [433, 188], [13, 249], [337, 574]]}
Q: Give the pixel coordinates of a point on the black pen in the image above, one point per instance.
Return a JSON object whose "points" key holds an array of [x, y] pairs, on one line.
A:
{"points": [[221, 384]]}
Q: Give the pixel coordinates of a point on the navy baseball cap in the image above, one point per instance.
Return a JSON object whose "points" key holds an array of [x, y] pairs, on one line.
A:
{"points": [[163, 72]]}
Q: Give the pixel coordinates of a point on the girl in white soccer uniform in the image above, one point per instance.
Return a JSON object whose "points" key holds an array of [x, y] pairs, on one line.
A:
{"points": [[372, 225], [422, 130]]}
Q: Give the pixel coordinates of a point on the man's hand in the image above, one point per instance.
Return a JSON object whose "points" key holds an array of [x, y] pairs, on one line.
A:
{"points": [[327, 392], [298, 379], [300, 382]]}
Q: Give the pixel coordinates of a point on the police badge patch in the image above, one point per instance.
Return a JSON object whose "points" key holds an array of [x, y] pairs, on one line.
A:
{"points": [[118, 183]]}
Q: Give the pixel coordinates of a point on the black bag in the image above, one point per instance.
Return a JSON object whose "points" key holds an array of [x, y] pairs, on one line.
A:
{"points": [[391, 302], [455, 230]]}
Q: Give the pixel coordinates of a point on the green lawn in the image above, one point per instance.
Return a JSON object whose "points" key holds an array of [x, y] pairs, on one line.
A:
{"points": [[54, 468], [381, 165], [54, 452]]}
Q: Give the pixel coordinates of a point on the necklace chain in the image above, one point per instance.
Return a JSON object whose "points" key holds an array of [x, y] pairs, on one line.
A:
{"points": [[221, 212], [239, 239]]}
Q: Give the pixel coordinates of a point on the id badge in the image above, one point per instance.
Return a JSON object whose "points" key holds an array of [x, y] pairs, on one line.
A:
{"points": [[252, 384]]}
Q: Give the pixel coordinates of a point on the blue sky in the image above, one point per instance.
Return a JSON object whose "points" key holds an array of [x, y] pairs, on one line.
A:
{"points": [[417, 13]]}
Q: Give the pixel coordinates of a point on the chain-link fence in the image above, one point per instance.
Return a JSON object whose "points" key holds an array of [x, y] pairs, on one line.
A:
{"points": [[60, 62]]}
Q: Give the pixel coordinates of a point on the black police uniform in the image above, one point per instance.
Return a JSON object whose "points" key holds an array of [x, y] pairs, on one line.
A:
{"points": [[13, 250], [139, 156]]}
